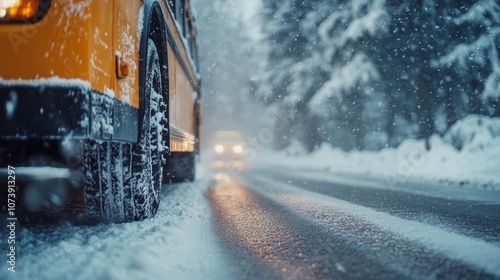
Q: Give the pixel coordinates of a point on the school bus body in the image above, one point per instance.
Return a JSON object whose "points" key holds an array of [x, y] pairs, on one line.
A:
{"points": [[80, 40], [91, 71]]}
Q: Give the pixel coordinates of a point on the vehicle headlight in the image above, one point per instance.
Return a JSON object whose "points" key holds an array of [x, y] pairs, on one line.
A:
{"points": [[237, 149], [22, 10], [219, 149]]}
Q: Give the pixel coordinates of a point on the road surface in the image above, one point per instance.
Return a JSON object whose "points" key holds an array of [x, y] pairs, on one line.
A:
{"points": [[275, 223]]}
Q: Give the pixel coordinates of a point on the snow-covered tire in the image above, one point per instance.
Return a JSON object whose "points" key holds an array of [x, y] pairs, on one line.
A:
{"points": [[123, 181]]}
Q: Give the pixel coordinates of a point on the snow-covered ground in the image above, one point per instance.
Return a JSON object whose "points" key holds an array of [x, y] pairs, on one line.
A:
{"points": [[176, 244], [469, 154], [181, 241]]}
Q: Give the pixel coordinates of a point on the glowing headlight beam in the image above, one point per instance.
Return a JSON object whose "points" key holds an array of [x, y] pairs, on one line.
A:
{"points": [[219, 149], [237, 149]]}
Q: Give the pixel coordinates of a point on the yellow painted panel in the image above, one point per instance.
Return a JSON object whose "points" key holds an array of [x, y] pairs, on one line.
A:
{"points": [[42, 50], [126, 42], [71, 42], [79, 39], [102, 49]]}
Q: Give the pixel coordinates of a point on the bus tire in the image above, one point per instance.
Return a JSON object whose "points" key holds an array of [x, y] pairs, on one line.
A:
{"points": [[123, 181]]}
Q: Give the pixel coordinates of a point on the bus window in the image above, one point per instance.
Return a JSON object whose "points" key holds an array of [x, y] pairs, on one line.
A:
{"points": [[188, 30], [180, 14]]}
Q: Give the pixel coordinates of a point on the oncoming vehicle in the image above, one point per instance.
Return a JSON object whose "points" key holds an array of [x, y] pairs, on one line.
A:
{"points": [[106, 89], [228, 145]]}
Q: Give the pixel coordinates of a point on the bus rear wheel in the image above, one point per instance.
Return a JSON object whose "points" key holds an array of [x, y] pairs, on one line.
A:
{"points": [[123, 181]]}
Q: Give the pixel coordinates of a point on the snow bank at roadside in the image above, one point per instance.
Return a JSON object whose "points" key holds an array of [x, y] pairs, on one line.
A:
{"points": [[469, 154]]}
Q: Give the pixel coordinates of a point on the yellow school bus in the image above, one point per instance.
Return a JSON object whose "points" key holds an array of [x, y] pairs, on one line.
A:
{"points": [[108, 90]]}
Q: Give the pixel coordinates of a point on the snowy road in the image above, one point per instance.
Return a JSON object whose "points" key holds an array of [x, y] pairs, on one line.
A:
{"points": [[275, 224], [299, 228]]}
